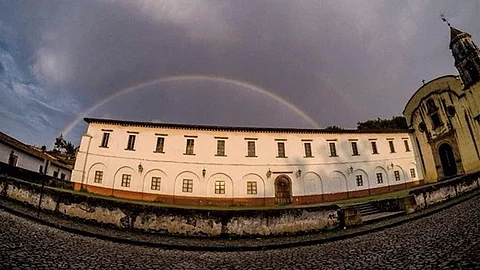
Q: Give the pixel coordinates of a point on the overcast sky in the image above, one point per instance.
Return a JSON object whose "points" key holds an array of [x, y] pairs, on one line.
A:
{"points": [[242, 62]]}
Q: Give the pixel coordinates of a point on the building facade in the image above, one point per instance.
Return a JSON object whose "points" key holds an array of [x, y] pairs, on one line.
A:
{"points": [[18, 154], [206, 165], [444, 114]]}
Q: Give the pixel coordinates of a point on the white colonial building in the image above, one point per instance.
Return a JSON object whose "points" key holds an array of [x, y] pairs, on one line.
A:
{"points": [[210, 165], [17, 154]]}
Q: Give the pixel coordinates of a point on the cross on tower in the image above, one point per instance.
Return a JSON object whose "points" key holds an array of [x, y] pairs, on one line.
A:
{"points": [[443, 16]]}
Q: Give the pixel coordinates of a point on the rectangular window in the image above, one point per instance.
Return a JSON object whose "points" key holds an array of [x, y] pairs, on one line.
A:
{"points": [[160, 143], [333, 149], [392, 147], [187, 185], [281, 149], [62, 176], [251, 149], [98, 177], [379, 178], [219, 187], [105, 138], [189, 149], [251, 187], [131, 142], [431, 107], [55, 174], [220, 147], [126, 179], [359, 179], [436, 122], [13, 159], [412, 173], [397, 175], [354, 149], [155, 183], [407, 147], [308, 149], [374, 147]]}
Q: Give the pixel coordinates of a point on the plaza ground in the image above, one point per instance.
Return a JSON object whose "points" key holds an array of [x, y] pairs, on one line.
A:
{"points": [[448, 239]]}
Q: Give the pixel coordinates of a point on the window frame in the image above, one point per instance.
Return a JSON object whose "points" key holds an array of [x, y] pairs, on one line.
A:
{"points": [[374, 146], [190, 147], [413, 173], [308, 150], [160, 145], [251, 151], [219, 187], [13, 160], [252, 188], [391, 145], [187, 186], [359, 180], [221, 143], [105, 140], [126, 180], [379, 177], [131, 142], [407, 145], [98, 177], [354, 146], [396, 174], [281, 150], [436, 120], [155, 183], [333, 149]]}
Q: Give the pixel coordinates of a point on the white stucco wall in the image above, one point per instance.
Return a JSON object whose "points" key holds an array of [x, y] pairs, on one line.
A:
{"points": [[24, 161], [54, 167], [319, 174]]}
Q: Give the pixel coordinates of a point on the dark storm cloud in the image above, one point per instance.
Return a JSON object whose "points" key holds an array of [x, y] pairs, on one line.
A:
{"points": [[339, 61]]}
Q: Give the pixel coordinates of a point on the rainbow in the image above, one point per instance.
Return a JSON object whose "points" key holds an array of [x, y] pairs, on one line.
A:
{"points": [[195, 77]]}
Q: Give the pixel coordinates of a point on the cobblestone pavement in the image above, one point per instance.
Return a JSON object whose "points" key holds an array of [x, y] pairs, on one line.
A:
{"points": [[445, 240]]}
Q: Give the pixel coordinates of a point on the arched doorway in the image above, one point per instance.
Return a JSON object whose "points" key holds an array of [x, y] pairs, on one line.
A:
{"points": [[447, 159], [283, 190]]}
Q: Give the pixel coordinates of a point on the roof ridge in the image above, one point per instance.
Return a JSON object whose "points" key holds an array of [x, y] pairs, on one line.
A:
{"points": [[235, 128]]}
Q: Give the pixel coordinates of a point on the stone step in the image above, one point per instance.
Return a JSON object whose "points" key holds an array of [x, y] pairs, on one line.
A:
{"points": [[380, 216], [369, 212], [367, 209]]}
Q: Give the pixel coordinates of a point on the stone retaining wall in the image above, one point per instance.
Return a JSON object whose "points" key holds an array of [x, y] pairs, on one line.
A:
{"points": [[171, 220], [442, 191], [427, 196]]}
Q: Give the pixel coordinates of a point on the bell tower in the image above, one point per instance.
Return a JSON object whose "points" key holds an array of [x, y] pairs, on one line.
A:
{"points": [[467, 56]]}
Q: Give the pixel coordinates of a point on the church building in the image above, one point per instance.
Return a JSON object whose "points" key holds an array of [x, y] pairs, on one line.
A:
{"points": [[444, 114]]}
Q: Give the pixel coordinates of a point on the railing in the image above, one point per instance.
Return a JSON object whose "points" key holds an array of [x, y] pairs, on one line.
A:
{"points": [[34, 177]]}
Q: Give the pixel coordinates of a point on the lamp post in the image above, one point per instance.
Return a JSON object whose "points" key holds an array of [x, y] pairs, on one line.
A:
{"points": [[269, 173]]}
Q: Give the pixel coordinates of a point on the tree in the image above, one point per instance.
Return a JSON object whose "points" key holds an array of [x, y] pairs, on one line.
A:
{"points": [[61, 145], [69, 148], [396, 123]]}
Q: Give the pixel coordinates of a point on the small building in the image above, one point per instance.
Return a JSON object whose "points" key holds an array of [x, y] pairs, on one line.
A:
{"points": [[444, 114], [212, 165], [15, 153]]}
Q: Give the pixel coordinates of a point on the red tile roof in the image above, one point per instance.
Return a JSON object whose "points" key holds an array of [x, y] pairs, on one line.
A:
{"points": [[14, 143], [231, 128]]}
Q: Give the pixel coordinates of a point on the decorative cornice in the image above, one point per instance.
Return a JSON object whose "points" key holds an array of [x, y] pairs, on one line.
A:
{"points": [[235, 129]]}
